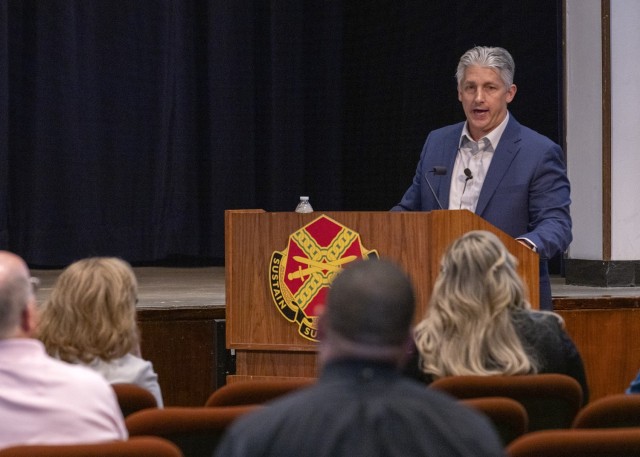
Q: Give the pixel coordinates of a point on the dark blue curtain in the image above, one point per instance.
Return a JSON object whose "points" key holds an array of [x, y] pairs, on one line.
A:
{"points": [[127, 128]]}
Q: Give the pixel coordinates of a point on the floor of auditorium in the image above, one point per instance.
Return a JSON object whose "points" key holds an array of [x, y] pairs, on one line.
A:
{"points": [[166, 287]]}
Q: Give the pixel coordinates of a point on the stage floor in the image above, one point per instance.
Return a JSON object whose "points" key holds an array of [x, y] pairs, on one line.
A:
{"points": [[166, 287], [163, 287]]}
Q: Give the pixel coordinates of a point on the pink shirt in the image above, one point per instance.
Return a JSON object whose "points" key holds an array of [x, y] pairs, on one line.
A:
{"points": [[45, 401]]}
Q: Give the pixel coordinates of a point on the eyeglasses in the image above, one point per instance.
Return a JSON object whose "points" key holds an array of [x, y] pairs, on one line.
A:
{"points": [[35, 283]]}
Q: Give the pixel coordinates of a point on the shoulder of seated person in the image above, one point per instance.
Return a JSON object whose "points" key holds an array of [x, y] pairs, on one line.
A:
{"points": [[537, 317], [546, 318]]}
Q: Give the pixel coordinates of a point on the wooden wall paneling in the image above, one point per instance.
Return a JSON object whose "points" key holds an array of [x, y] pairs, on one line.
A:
{"points": [[607, 338], [183, 346], [275, 364]]}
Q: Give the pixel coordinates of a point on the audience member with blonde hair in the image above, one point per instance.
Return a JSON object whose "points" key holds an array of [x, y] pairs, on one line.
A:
{"points": [[43, 400], [479, 321], [90, 319]]}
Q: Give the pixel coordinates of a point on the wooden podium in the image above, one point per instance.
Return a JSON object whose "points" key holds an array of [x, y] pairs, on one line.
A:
{"points": [[266, 344]]}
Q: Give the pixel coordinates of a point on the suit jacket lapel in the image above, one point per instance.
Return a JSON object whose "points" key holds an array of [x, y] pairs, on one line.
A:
{"points": [[450, 153], [507, 150]]}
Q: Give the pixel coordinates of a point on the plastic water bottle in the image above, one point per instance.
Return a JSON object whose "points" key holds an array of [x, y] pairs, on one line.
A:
{"points": [[304, 206]]}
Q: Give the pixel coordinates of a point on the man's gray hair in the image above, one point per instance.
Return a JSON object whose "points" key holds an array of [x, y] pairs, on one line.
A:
{"points": [[489, 57]]}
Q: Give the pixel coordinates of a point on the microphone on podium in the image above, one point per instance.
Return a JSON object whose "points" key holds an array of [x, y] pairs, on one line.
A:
{"points": [[438, 171]]}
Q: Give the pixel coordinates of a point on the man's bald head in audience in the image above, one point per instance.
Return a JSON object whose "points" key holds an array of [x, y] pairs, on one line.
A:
{"points": [[17, 300], [368, 312]]}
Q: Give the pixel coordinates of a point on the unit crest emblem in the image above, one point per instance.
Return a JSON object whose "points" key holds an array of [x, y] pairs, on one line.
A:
{"points": [[300, 276]]}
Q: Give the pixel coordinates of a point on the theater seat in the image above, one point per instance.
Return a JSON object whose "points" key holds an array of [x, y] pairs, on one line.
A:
{"points": [[255, 391], [147, 446], [507, 415], [619, 442], [551, 400], [619, 410], [195, 430], [132, 398]]}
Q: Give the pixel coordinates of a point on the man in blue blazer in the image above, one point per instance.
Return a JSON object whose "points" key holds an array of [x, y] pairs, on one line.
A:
{"points": [[510, 175]]}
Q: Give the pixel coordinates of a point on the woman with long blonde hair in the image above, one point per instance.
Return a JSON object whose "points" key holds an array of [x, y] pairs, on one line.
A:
{"points": [[479, 321], [90, 319]]}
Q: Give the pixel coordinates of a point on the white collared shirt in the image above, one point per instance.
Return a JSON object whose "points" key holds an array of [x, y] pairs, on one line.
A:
{"points": [[477, 161]]}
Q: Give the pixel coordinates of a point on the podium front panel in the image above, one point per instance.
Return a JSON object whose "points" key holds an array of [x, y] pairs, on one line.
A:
{"points": [[414, 240]]}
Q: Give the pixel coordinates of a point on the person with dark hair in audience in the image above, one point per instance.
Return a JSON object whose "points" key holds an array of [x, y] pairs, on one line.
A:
{"points": [[361, 404], [90, 319], [44, 400], [479, 321], [506, 173]]}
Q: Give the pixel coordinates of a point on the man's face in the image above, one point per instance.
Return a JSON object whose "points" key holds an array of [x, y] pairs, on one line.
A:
{"points": [[484, 98]]}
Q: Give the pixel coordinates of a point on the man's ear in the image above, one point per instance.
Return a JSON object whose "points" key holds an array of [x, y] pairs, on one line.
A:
{"points": [[29, 319], [511, 93], [408, 349]]}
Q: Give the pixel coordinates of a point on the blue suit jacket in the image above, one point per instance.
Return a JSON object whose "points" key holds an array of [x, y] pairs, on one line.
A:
{"points": [[526, 191]]}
